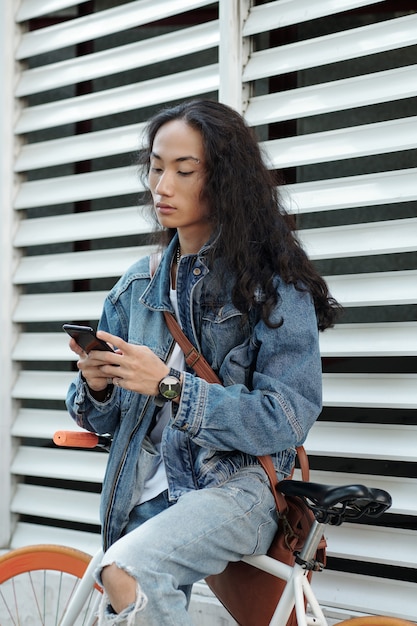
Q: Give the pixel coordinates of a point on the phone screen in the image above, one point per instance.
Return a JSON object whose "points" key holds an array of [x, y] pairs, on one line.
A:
{"points": [[86, 338]]}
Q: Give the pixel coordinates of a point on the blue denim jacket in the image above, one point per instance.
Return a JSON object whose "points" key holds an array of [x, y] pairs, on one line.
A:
{"points": [[270, 398]]}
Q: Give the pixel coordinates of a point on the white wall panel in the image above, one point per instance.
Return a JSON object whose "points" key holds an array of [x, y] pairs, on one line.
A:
{"points": [[345, 143], [78, 265], [370, 339], [100, 24], [81, 226], [112, 101], [366, 595], [340, 46], [373, 544], [347, 440], [375, 289], [337, 95], [56, 504], [61, 307], [386, 237], [62, 189], [79, 147], [42, 423], [27, 534], [283, 13], [28, 9], [115, 60], [65, 464], [352, 191]]}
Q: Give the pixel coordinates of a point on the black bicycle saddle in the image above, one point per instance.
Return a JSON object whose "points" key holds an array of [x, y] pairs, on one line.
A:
{"points": [[333, 503]]}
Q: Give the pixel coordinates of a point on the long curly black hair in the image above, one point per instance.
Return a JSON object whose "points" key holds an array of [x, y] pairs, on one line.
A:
{"points": [[255, 234]]}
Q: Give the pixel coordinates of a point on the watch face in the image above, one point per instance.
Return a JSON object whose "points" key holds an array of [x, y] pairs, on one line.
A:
{"points": [[170, 387]]}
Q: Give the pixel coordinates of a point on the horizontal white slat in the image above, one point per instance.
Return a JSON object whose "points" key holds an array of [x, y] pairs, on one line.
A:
{"points": [[116, 100], [333, 194], [61, 307], [61, 464], [81, 226], [337, 95], [41, 423], [119, 140], [77, 265], [286, 12], [29, 9], [120, 59], [373, 544], [345, 143], [354, 240], [42, 347], [341, 46], [351, 390], [26, 534], [100, 24], [118, 181], [375, 289], [351, 191], [391, 442], [42, 385], [396, 391], [383, 339], [64, 504], [402, 490], [366, 594]]}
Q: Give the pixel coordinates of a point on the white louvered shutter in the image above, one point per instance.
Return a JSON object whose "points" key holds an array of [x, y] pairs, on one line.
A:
{"points": [[331, 89]]}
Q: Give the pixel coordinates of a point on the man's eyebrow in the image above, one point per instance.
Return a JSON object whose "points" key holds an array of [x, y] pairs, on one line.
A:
{"points": [[179, 160]]}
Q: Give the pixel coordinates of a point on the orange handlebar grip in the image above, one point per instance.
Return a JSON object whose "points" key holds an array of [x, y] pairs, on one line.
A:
{"points": [[72, 439]]}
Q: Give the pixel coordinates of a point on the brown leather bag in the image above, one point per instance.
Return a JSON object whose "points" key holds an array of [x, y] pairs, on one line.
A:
{"points": [[249, 594]]}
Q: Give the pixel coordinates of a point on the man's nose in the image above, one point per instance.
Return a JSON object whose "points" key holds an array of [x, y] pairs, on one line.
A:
{"points": [[164, 186]]}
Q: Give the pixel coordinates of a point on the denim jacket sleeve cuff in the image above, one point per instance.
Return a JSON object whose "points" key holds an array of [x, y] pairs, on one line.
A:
{"points": [[83, 393], [191, 409]]}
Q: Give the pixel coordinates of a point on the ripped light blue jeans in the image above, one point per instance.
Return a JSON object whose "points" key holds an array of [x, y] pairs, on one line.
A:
{"points": [[187, 541]]}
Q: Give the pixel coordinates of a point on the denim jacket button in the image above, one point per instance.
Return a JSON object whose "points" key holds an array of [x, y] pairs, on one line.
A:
{"points": [[196, 271]]}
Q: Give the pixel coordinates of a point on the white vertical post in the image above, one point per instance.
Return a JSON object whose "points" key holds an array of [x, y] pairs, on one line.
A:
{"points": [[7, 258], [232, 52]]}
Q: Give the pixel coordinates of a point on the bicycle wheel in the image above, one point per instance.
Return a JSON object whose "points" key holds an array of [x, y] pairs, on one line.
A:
{"points": [[377, 620], [37, 584]]}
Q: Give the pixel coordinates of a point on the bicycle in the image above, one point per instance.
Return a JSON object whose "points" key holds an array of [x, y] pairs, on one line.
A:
{"points": [[43, 574]]}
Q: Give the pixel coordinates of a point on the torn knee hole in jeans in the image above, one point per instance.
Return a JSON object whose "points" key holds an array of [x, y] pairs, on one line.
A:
{"points": [[107, 615]]}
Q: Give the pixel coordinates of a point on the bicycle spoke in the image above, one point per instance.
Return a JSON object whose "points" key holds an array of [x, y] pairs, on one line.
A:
{"points": [[43, 597], [7, 607]]}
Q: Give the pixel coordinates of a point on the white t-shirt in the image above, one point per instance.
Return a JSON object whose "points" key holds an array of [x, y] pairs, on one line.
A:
{"points": [[157, 483]]}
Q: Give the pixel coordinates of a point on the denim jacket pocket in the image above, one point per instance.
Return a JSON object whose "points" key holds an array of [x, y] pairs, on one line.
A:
{"points": [[147, 464]]}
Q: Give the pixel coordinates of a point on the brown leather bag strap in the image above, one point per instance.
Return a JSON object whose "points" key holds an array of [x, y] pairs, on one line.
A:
{"points": [[303, 462], [268, 466], [193, 358]]}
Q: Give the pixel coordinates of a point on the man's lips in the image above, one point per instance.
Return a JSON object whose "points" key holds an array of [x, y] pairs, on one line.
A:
{"points": [[165, 209]]}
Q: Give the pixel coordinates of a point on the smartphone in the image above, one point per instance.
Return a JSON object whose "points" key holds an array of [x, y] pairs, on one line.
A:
{"points": [[86, 338]]}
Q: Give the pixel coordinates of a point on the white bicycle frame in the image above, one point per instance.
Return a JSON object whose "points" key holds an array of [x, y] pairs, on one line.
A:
{"points": [[296, 589], [81, 595]]}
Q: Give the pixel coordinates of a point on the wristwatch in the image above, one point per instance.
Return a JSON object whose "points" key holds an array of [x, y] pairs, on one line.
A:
{"points": [[169, 387]]}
